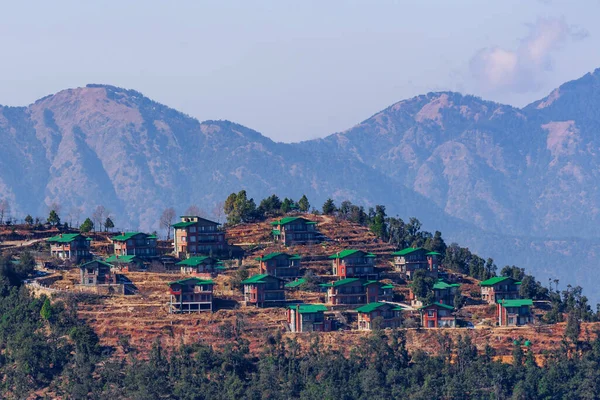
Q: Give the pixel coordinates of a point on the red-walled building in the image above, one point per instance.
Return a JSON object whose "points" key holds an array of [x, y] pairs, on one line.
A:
{"points": [[437, 315], [514, 312], [191, 295], [499, 288], [308, 318], [412, 259], [294, 230], [70, 246], [135, 244], [264, 290], [351, 291], [195, 235], [281, 265], [352, 263], [389, 314]]}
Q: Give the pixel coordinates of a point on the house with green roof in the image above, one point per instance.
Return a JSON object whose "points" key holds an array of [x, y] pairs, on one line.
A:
{"points": [[308, 318], [354, 291], [125, 263], [135, 244], [514, 312], [352, 263], [282, 265], [295, 284], [70, 246], [379, 315], [442, 292], [378, 291], [437, 315], [198, 265], [294, 230], [264, 290], [411, 259], [498, 288], [194, 235], [191, 295], [97, 272]]}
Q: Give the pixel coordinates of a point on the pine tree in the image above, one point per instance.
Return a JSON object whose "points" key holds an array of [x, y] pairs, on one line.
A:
{"points": [[53, 218], [108, 224], [378, 224], [87, 226], [303, 204], [329, 207], [46, 311]]}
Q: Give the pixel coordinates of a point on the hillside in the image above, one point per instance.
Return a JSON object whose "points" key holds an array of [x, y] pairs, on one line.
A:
{"points": [[139, 319], [490, 176]]}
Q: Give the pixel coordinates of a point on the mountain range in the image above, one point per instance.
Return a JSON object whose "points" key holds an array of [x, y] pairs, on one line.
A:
{"points": [[516, 184]]}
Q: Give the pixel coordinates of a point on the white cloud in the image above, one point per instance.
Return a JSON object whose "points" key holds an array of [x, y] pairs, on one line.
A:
{"points": [[522, 69]]}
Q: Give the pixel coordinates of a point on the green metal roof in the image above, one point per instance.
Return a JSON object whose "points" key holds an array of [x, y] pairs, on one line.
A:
{"points": [[190, 223], [276, 232], [64, 238], [126, 236], [349, 252], [277, 254], [434, 253], [122, 259], [308, 308], [195, 261], [184, 224], [387, 286], [260, 278], [495, 280], [446, 306], [440, 285], [296, 283], [515, 302], [341, 282], [287, 220], [197, 281], [95, 261], [374, 306], [406, 251]]}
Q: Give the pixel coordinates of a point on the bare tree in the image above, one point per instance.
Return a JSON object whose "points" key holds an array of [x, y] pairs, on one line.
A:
{"points": [[193, 210], [166, 220], [55, 206], [218, 211], [75, 214], [4, 209], [98, 216]]}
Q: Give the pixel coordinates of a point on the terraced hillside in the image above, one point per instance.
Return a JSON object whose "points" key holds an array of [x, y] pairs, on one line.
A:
{"points": [[338, 235]]}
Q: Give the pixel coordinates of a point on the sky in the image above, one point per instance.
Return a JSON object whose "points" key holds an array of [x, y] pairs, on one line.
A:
{"points": [[296, 70]]}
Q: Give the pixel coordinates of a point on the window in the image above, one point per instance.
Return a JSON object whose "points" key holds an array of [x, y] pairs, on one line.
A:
{"points": [[183, 238], [192, 229], [192, 238], [430, 313]]}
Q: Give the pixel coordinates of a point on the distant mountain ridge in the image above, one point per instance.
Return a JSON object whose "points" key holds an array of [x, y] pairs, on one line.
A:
{"points": [[476, 169]]}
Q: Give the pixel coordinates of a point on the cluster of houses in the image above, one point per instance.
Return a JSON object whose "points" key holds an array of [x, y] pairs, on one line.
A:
{"points": [[354, 287]]}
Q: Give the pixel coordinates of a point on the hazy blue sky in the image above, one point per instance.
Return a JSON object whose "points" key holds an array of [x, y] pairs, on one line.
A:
{"points": [[296, 70]]}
